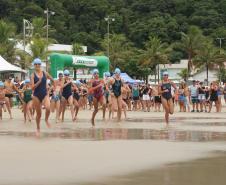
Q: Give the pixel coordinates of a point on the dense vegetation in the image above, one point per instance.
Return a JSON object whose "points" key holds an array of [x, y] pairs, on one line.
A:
{"points": [[138, 25]]}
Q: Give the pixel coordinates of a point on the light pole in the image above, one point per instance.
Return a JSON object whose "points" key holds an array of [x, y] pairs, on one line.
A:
{"points": [[109, 20], [220, 42], [27, 32], [48, 13]]}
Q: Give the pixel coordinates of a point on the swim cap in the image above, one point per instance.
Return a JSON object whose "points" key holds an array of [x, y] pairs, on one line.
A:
{"points": [[66, 72], [1, 84], [77, 82], [27, 81], [117, 71], [107, 74], [165, 73], [37, 61], [95, 71]]}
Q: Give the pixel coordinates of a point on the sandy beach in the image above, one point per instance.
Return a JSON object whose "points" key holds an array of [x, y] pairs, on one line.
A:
{"points": [[75, 153]]}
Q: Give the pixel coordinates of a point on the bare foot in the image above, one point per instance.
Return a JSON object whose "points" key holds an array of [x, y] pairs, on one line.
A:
{"points": [[38, 134], [74, 119], [48, 124], [93, 123], [11, 117]]}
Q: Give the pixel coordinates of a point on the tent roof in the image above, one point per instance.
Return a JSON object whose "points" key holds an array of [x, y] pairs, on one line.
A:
{"points": [[128, 79], [6, 66]]}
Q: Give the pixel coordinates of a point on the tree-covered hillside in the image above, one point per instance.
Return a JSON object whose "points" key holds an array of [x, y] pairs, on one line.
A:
{"points": [[83, 20], [144, 33]]}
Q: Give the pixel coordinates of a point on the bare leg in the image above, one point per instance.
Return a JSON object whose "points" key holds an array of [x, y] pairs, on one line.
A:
{"points": [[63, 107], [57, 111], [70, 101], [76, 109], [167, 109], [25, 112], [7, 102], [46, 103], [1, 112], [38, 109], [28, 110], [95, 104], [119, 102]]}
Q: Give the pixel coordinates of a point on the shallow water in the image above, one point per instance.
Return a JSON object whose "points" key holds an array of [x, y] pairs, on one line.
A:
{"points": [[207, 171], [168, 134]]}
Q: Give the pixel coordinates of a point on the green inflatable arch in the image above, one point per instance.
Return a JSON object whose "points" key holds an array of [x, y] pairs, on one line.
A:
{"points": [[60, 61]]}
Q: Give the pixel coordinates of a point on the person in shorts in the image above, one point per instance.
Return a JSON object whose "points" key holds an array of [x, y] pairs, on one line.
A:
{"points": [[201, 96], [146, 98], [135, 95], [193, 90]]}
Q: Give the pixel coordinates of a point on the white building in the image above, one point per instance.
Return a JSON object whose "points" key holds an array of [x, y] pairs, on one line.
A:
{"points": [[201, 75], [173, 70], [51, 47]]}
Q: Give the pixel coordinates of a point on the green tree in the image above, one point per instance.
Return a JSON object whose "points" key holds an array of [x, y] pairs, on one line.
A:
{"points": [[208, 57], [77, 49], [7, 41], [119, 49], [191, 43], [155, 53], [184, 74], [38, 47]]}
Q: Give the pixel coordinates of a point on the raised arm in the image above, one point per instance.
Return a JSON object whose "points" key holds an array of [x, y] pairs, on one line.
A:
{"points": [[33, 85]]}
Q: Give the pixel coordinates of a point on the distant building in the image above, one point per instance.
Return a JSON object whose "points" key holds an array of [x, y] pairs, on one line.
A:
{"points": [[52, 47], [173, 70], [200, 75]]}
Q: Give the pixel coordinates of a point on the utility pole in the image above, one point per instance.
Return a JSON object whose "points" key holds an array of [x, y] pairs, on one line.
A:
{"points": [[220, 42], [48, 13], [109, 20], [27, 32]]}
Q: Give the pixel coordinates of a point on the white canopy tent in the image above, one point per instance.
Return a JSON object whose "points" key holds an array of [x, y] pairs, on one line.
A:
{"points": [[7, 67]]}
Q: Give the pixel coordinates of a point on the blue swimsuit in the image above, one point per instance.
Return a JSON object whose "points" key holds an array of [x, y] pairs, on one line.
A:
{"points": [[40, 91]]}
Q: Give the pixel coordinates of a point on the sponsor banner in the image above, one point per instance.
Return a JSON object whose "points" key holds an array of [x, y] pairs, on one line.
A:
{"points": [[83, 61]]}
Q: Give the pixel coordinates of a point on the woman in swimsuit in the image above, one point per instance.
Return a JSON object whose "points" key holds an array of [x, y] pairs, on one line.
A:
{"points": [[116, 83], [214, 96], [10, 88], [67, 97], [27, 100], [76, 97], [164, 90], [107, 97], [56, 97], [2, 99], [40, 95], [98, 94]]}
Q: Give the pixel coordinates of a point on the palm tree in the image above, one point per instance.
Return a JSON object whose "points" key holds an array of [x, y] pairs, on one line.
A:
{"points": [[155, 53], [208, 56], [191, 43], [184, 74], [77, 49], [38, 47]]}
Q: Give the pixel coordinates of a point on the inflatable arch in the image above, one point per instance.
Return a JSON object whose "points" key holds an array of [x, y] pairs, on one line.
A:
{"points": [[60, 61]]}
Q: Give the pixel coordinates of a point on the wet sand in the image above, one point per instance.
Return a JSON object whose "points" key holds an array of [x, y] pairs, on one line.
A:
{"points": [[207, 171], [75, 153]]}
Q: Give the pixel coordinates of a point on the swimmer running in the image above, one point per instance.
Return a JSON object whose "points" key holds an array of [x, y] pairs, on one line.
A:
{"points": [[40, 95], [164, 89]]}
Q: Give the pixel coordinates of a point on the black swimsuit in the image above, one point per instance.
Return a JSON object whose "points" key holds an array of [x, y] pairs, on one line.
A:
{"points": [[116, 87], [67, 92], [166, 95]]}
